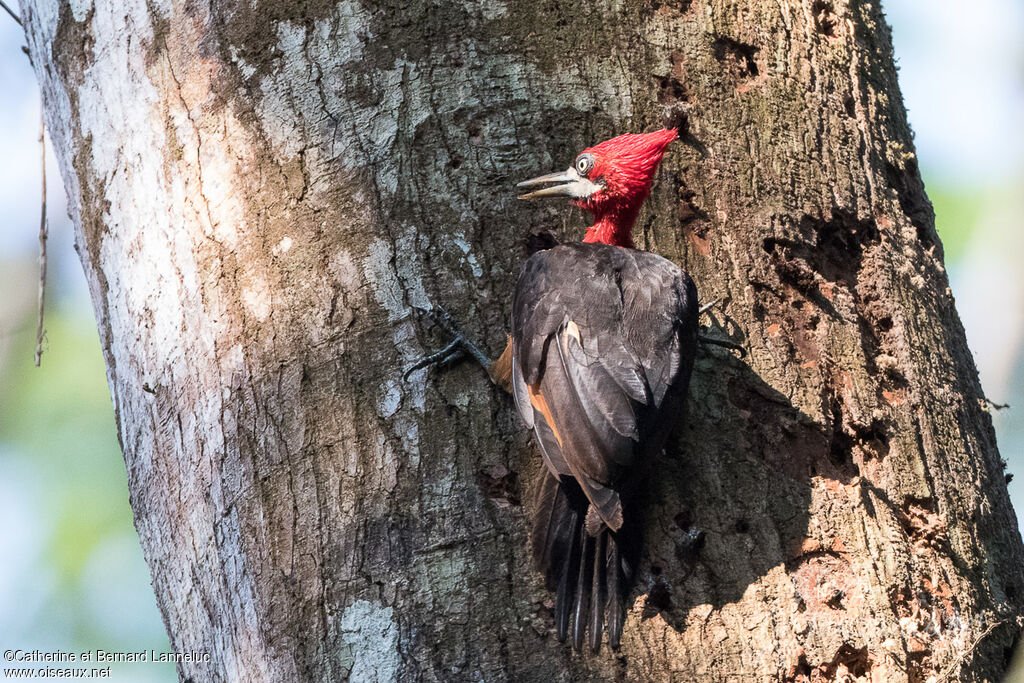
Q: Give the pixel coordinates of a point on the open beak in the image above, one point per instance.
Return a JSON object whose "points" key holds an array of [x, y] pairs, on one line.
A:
{"points": [[569, 184]]}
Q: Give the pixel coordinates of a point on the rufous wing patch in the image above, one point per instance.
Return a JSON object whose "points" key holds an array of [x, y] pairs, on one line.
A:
{"points": [[540, 404], [501, 369]]}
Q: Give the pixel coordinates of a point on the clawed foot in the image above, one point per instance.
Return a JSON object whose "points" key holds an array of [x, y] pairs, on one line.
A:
{"points": [[715, 340], [457, 348]]}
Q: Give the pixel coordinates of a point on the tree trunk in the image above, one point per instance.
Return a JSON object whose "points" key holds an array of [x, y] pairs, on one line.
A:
{"points": [[262, 192]]}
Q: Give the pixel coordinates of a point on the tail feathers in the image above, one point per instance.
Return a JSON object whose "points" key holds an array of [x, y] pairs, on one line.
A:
{"points": [[616, 606], [583, 589], [569, 570], [555, 523], [598, 592], [590, 573]]}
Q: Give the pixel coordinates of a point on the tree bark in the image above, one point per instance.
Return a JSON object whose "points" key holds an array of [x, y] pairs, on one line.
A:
{"points": [[262, 192]]}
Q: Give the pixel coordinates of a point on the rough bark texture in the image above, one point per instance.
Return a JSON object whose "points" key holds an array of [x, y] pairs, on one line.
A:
{"points": [[261, 193]]}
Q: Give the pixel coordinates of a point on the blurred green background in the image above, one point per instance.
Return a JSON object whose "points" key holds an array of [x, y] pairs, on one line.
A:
{"points": [[72, 575]]}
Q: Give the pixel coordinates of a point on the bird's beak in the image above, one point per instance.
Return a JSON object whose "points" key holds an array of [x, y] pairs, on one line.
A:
{"points": [[570, 184]]}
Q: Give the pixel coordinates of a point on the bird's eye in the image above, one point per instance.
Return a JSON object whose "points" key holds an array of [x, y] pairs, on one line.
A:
{"points": [[584, 164]]}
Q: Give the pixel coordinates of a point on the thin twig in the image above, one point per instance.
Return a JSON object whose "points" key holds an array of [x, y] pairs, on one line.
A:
{"points": [[708, 306], [989, 405], [962, 658], [11, 12], [43, 230]]}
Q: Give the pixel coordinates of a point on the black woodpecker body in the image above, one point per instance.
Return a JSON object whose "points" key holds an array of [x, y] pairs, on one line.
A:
{"points": [[603, 341], [602, 344], [599, 358]]}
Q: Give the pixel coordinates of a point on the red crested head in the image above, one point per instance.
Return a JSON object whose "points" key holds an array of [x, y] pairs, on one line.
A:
{"points": [[624, 167], [611, 180]]}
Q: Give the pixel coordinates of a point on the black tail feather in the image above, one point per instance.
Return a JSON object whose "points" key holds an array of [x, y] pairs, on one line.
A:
{"points": [[616, 596], [583, 588], [591, 575], [567, 584], [598, 590]]}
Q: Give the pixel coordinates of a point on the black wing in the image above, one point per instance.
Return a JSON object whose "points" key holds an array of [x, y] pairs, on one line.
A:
{"points": [[603, 342]]}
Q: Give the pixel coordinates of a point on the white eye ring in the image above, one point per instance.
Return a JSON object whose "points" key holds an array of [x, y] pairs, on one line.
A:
{"points": [[584, 164]]}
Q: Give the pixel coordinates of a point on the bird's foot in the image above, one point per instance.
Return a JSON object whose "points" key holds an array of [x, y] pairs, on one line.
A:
{"points": [[715, 341], [457, 348]]}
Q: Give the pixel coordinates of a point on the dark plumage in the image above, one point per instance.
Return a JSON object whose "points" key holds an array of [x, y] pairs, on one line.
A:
{"points": [[603, 340], [599, 358]]}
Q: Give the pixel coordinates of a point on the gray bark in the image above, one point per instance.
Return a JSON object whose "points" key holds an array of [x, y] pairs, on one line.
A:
{"points": [[263, 191]]}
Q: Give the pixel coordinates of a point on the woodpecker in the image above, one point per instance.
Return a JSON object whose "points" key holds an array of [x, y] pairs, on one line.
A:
{"points": [[602, 344]]}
